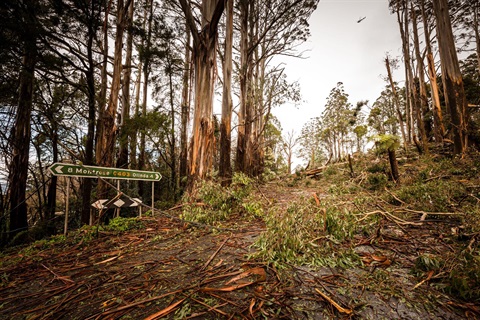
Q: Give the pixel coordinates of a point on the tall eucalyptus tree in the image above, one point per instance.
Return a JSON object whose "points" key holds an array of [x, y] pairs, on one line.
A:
{"points": [[204, 58], [451, 76]]}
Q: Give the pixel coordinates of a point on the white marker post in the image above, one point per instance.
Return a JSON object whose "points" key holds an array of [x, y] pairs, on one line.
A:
{"points": [[153, 196], [65, 227]]}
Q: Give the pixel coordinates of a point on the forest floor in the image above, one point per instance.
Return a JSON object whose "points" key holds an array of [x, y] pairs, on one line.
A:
{"points": [[370, 248]]}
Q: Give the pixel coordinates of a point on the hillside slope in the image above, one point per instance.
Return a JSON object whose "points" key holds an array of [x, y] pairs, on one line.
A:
{"points": [[336, 245]]}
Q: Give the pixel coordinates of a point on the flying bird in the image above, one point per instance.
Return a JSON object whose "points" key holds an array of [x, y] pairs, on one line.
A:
{"points": [[361, 19]]}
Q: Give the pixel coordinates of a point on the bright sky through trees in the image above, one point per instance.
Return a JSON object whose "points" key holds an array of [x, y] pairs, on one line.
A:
{"points": [[341, 49]]}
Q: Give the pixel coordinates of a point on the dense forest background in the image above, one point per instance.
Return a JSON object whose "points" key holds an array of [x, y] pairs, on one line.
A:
{"points": [[133, 84]]}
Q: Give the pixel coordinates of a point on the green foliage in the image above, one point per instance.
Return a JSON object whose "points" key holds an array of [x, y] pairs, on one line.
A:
{"points": [[213, 202], [337, 189], [183, 312], [383, 117], [120, 224], [432, 196], [304, 234], [377, 168], [330, 171], [241, 185], [360, 131], [376, 181], [253, 207], [463, 272], [427, 262], [464, 278], [386, 142]]}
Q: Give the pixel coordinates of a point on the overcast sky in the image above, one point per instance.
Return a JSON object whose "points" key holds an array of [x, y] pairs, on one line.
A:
{"points": [[342, 50]]}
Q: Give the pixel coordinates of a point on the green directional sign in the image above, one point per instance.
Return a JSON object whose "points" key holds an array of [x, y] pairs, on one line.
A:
{"points": [[76, 170]]}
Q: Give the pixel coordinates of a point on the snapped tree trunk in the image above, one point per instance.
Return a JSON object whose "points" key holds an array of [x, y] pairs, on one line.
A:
{"points": [[451, 76], [204, 58], [109, 128], [439, 128], [477, 34], [392, 158]]}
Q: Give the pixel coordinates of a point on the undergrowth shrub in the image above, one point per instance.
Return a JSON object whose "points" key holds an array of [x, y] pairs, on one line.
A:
{"points": [[307, 234], [121, 224], [337, 189], [432, 196], [377, 168], [330, 171], [464, 277], [213, 202], [462, 272], [376, 181]]}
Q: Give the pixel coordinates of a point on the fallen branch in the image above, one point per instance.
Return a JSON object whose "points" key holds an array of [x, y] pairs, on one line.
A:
{"points": [[390, 217], [333, 303], [210, 308], [165, 311], [395, 197], [314, 172], [254, 271], [64, 279], [425, 214], [437, 177], [137, 303], [214, 255], [429, 276]]}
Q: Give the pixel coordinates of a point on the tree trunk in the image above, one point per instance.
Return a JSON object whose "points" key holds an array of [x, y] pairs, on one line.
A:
{"points": [[397, 103], [477, 34], [21, 135], [406, 54], [451, 76], [250, 99], [109, 128], [225, 169], [146, 75], [392, 158], [122, 161], [52, 187], [173, 158], [138, 84], [413, 92], [241, 162], [89, 144], [424, 124], [185, 113], [439, 129], [204, 57], [202, 135], [102, 101]]}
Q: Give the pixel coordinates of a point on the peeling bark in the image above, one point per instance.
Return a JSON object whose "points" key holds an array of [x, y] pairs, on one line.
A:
{"points": [[452, 77]]}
